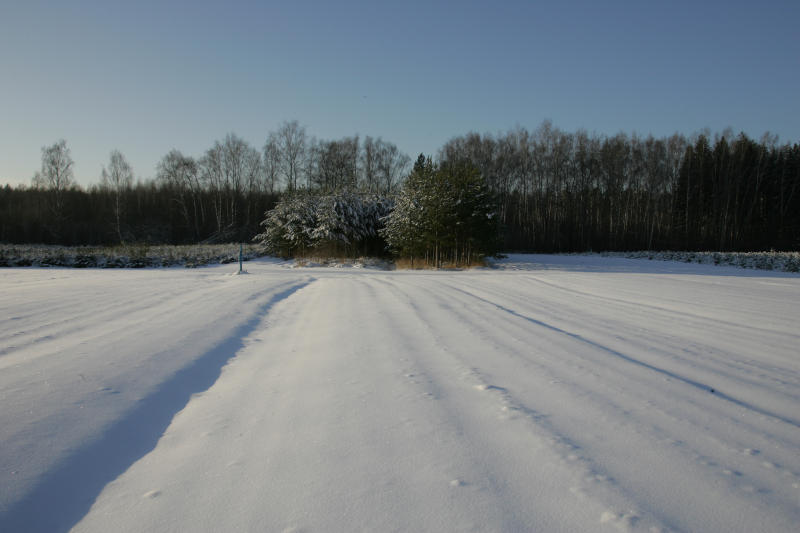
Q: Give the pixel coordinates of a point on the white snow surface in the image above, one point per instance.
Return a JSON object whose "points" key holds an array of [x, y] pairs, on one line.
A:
{"points": [[552, 393]]}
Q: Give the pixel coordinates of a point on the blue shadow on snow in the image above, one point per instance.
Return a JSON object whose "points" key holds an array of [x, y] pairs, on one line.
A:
{"points": [[65, 495]]}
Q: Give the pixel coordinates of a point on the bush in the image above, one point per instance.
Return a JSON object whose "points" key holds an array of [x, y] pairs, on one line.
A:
{"points": [[342, 224]]}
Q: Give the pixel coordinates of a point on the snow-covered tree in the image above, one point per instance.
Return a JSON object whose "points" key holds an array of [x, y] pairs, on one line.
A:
{"points": [[443, 214], [344, 223], [289, 225]]}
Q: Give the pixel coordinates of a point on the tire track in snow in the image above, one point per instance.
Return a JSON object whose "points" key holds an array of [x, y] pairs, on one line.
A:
{"points": [[656, 438], [344, 430], [382, 402], [683, 314], [68, 308], [697, 414], [581, 478], [119, 315], [69, 488], [700, 356], [630, 359], [704, 411], [472, 467]]}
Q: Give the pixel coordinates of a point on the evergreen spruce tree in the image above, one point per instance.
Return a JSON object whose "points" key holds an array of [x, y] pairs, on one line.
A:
{"points": [[444, 214]]}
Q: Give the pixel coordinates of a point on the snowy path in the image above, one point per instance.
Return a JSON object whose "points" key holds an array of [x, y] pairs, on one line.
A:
{"points": [[559, 394]]}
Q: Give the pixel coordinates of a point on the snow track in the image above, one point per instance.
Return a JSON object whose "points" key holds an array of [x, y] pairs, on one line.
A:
{"points": [[559, 394]]}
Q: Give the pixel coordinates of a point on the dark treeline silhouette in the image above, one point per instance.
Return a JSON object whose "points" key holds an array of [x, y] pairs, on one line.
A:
{"points": [[556, 191], [564, 192], [220, 197], [150, 213]]}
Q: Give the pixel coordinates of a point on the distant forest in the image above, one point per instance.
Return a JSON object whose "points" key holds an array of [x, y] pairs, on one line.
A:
{"points": [[556, 191]]}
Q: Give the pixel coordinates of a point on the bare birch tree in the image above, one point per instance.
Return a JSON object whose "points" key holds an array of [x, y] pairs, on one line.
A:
{"points": [[181, 174], [292, 143], [56, 176], [117, 179]]}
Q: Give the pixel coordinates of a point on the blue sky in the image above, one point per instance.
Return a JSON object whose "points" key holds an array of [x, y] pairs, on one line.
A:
{"points": [[145, 77]]}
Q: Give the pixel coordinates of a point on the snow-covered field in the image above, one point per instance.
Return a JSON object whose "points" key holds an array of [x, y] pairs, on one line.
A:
{"points": [[557, 393]]}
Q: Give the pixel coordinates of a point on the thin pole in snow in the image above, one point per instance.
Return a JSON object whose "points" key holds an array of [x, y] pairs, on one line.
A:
{"points": [[240, 257]]}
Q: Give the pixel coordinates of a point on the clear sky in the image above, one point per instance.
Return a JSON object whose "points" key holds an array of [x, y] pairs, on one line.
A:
{"points": [[145, 77]]}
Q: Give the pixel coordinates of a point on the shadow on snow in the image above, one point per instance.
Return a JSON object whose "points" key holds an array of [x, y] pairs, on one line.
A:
{"points": [[64, 495]]}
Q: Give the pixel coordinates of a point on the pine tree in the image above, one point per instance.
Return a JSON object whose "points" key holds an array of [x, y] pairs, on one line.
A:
{"points": [[444, 214]]}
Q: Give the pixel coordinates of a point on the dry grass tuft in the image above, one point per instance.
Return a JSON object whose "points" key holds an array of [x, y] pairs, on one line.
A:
{"points": [[405, 264]]}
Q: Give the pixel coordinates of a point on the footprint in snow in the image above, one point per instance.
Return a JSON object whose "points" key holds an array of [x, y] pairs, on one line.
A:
{"points": [[484, 387], [626, 520]]}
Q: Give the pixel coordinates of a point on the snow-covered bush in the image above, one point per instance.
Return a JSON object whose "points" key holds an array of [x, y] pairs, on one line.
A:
{"points": [[345, 223], [289, 225]]}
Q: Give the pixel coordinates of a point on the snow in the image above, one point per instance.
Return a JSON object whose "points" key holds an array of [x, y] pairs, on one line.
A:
{"points": [[550, 393]]}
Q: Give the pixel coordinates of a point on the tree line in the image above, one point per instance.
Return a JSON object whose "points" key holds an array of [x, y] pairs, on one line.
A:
{"points": [[220, 196], [556, 191], [565, 192]]}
